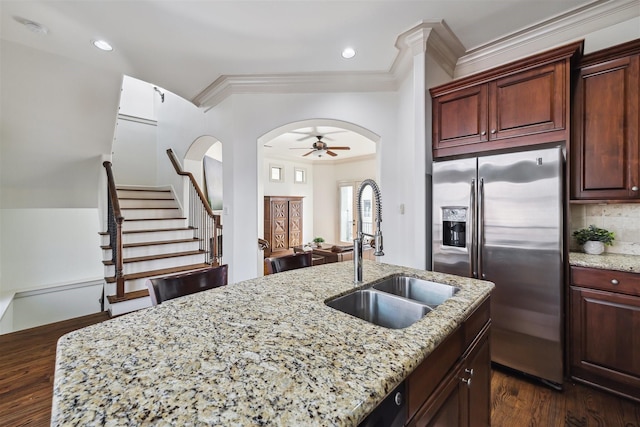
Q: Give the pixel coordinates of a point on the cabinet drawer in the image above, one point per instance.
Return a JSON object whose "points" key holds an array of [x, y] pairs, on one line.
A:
{"points": [[607, 280]]}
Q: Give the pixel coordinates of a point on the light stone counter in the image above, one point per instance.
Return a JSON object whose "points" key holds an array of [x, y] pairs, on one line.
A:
{"points": [[630, 263], [266, 351]]}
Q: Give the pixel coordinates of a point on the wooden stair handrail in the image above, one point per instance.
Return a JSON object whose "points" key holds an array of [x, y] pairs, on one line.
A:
{"points": [[179, 171], [117, 246], [203, 200]]}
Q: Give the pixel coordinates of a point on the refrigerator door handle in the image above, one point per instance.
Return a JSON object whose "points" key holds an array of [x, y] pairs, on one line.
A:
{"points": [[474, 246], [480, 228]]}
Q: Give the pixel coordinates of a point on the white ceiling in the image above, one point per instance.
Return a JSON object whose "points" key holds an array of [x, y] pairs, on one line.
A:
{"points": [[183, 46]]}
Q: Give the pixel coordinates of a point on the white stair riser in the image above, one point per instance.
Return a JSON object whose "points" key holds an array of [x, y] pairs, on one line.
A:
{"points": [[147, 203], [155, 236], [125, 307], [145, 194], [156, 264], [153, 224], [151, 213], [151, 250]]}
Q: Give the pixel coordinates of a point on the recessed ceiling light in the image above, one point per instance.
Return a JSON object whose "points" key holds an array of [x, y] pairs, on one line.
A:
{"points": [[32, 25], [348, 53], [102, 45]]}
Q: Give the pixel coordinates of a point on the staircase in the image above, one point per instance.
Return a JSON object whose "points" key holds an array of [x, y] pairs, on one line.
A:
{"points": [[156, 241]]}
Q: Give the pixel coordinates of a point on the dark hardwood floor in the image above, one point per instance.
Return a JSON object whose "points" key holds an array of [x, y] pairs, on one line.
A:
{"points": [[27, 361]]}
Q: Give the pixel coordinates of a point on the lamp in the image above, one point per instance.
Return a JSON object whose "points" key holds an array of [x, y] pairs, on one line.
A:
{"points": [[320, 153]]}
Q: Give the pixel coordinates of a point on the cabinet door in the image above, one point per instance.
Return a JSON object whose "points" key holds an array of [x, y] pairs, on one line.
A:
{"points": [[605, 340], [605, 150], [460, 118], [279, 225], [529, 102], [478, 370], [295, 223], [446, 409]]}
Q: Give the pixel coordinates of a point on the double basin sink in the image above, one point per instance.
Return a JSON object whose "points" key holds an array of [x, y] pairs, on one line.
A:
{"points": [[395, 302]]}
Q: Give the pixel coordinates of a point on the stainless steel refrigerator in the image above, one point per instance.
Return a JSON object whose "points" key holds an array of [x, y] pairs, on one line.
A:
{"points": [[500, 218]]}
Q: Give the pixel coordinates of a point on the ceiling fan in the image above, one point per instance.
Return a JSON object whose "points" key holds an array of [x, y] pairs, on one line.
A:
{"points": [[320, 148]]}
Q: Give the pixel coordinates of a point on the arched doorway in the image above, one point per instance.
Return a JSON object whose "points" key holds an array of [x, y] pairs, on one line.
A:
{"points": [[317, 176]]}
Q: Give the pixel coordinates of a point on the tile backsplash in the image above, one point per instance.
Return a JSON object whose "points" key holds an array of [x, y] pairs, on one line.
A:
{"points": [[622, 219]]}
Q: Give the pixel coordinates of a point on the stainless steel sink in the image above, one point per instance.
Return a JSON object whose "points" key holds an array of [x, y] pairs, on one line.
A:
{"points": [[424, 291], [380, 308]]}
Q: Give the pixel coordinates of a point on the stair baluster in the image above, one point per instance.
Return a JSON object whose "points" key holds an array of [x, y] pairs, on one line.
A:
{"points": [[206, 224]]}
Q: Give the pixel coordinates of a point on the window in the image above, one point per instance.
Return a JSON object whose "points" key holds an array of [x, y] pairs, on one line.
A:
{"points": [[276, 173], [300, 176]]}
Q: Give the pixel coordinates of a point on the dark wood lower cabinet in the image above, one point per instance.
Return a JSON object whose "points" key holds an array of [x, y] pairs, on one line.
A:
{"points": [[453, 385], [605, 330]]}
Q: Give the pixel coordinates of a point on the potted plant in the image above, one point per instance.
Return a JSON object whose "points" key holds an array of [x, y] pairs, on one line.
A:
{"points": [[593, 239], [318, 241]]}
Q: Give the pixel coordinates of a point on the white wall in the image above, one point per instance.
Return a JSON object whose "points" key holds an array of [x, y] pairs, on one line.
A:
{"points": [[57, 123], [241, 119], [135, 160], [50, 247]]}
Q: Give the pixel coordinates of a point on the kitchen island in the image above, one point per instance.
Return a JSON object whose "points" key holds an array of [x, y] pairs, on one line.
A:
{"points": [[266, 351]]}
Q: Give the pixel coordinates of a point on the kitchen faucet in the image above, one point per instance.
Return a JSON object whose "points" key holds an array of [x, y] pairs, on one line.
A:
{"points": [[357, 242]]}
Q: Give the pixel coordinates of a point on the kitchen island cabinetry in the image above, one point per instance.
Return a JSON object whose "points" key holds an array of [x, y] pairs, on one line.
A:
{"points": [[462, 398], [605, 329], [605, 149], [519, 104]]}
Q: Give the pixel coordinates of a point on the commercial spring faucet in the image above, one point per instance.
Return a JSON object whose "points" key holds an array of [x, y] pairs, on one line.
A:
{"points": [[358, 241]]}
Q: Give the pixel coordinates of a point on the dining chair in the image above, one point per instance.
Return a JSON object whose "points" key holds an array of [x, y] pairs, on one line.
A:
{"points": [[169, 287], [289, 262]]}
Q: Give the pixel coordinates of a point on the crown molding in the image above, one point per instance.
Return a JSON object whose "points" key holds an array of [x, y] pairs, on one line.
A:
{"points": [[567, 27], [433, 36], [227, 85]]}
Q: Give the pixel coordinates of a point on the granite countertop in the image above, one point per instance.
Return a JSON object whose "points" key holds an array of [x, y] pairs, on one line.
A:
{"points": [[266, 351], [629, 263]]}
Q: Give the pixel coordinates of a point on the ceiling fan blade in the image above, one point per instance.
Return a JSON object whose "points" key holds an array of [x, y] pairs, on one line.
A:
{"points": [[331, 153], [338, 148], [304, 138], [304, 155]]}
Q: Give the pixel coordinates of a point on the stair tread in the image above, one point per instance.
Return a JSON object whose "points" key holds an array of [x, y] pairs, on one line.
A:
{"points": [[157, 242], [160, 272], [154, 257], [153, 219], [151, 230], [128, 296], [158, 190], [145, 198], [149, 209]]}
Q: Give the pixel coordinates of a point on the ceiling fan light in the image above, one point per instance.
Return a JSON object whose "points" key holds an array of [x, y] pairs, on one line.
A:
{"points": [[320, 153]]}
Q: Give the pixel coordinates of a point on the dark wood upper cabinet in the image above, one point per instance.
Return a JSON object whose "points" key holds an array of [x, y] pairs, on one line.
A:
{"points": [[605, 151], [519, 104]]}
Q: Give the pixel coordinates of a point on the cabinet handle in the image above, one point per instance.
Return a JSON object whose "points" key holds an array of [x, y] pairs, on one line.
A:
{"points": [[484, 132], [493, 131], [467, 381], [614, 281], [469, 371], [398, 398], [634, 188]]}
